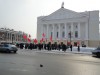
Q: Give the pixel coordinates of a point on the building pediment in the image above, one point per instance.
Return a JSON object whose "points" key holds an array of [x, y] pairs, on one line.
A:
{"points": [[62, 13]]}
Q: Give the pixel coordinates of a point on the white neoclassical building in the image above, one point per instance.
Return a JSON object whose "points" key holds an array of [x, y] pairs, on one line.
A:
{"points": [[11, 36], [70, 26]]}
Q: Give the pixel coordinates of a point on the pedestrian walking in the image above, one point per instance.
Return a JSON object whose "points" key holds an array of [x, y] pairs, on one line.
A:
{"points": [[78, 48]]}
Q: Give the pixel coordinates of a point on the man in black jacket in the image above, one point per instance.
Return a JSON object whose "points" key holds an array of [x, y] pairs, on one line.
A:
{"points": [[71, 47]]}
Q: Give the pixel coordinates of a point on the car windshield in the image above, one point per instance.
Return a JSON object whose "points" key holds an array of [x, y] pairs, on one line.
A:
{"points": [[6, 45], [98, 48], [12, 45]]}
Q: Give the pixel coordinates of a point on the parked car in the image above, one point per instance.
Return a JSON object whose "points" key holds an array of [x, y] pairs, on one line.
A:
{"points": [[96, 52], [8, 48]]}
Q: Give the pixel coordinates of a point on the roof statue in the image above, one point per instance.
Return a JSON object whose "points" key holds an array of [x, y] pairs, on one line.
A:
{"points": [[62, 6]]}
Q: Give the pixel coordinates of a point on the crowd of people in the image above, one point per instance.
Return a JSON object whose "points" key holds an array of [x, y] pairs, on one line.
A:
{"points": [[43, 46]]}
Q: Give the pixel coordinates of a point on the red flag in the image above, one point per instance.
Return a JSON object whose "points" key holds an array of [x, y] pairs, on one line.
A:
{"points": [[29, 40], [43, 35], [68, 43], [24, 36], [35, 40], [50, 38], [42, 39]]}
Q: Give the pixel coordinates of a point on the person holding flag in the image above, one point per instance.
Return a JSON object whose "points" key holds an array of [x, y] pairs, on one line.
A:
{"points": [[29, 38], [43, 37]]}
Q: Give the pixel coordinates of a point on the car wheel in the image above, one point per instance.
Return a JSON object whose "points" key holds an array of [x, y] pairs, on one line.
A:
{"points": [[8, 51], [98, 54], [14, 51]]}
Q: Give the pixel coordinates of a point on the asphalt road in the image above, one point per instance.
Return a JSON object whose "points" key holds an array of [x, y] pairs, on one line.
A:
{"points": [[27, 62]]}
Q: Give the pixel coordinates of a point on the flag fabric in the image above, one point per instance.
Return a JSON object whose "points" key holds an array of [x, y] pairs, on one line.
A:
{"points": [[68, 43], [24, 36], [51, 38], [42, 39], [35, 41], [43, 35], [29, 40]]}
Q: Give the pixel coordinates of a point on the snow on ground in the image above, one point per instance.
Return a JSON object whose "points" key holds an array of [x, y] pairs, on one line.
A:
{"points": [[83, 50]]}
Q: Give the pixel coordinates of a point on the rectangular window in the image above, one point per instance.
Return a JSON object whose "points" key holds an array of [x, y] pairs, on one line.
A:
{"points": [[69, 35], [57, 34], [76, 34], [51, 34], [63, 34]]}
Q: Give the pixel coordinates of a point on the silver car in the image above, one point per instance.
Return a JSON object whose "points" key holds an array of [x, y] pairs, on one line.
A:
{"points": [[96, 52], [8, 48]]}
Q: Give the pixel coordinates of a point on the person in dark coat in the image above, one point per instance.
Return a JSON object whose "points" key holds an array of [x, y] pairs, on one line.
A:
{"points": [[78, 48], [58, 47], [39, 46], [30, 46], [49, 46], [71, 47], [45, 45], [21, 45], [63, 47]]}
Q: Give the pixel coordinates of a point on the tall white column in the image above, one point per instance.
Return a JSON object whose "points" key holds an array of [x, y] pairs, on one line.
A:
{"points": [[59, 32], [43, 31], [47, 31], [79, 31], [65, 32], [53, 32], [6, 39], [72, 36], [11, 37], [15, 36], [86, 31]]}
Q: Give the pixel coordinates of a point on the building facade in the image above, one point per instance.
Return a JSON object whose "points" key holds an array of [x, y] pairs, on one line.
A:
{"points": [[11, 36], [69, 26]]}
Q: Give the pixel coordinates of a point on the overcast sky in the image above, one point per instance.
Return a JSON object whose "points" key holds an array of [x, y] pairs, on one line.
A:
{"points": [[21, 15]]}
